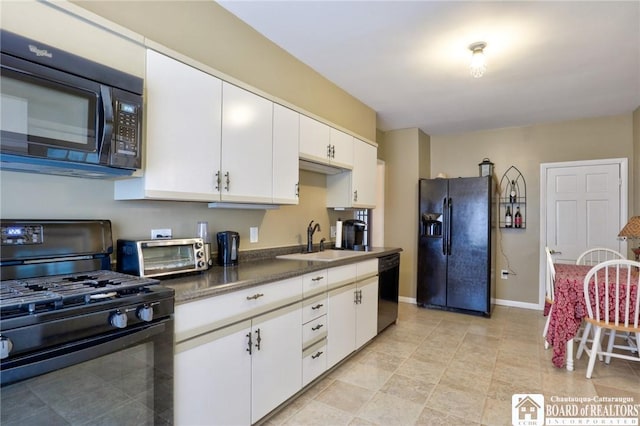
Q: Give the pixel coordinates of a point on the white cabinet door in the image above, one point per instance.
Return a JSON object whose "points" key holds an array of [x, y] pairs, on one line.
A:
{"points": [[367, 311], [182, 143], [276, 362], [247, 146], [365, 163], [286, 135], [341, 322], [314, 140], [212, 378], [355, 188], [341, 149]]}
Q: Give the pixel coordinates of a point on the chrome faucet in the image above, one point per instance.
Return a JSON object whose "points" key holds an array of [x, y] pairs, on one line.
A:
{"points": [[310, 230]]}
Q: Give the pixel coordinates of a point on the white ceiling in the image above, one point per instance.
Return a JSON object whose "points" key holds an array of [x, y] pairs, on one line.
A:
{"points": [[408, 60]]}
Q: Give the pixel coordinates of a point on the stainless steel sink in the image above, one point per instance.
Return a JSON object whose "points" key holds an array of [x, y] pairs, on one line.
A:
{"points": [[323, 256]]}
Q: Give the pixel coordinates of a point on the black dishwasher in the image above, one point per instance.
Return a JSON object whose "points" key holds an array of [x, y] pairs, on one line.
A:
{"points": [[388, 287]]}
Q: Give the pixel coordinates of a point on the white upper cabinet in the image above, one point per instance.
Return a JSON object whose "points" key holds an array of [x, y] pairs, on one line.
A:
{"points": [[323, 144], [247, 146], [315, 140], [182, 144], [286, 134], [341, 149], [355, 188]]}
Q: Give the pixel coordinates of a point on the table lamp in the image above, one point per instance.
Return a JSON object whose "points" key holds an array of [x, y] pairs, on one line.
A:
{"points": [[631, 231]]}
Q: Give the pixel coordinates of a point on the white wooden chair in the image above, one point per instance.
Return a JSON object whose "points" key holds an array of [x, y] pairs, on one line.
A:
{"points": [[549, 292], [593, 257], [612, 286], [598, 255]]}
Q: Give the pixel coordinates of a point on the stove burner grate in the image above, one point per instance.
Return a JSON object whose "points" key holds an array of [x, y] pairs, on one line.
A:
{"points": [[55, 292]]}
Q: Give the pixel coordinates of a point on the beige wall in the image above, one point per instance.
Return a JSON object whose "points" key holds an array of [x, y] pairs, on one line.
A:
{"points": [[634, 199], [526, 148], [206, 32], [406, 156]]}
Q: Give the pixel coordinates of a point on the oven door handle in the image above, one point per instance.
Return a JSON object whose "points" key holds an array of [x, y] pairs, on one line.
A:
{"points": [[24, 367]]}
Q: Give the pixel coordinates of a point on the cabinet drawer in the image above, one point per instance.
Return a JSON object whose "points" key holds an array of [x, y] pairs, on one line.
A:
{"points": [[201, 316], [314, 331], [314, 283], [314, 307], [367, 268], [314, 361], [341, 275]]}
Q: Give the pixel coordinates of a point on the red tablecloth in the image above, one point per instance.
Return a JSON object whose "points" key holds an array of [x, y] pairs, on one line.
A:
{"points": [[569, 307]]}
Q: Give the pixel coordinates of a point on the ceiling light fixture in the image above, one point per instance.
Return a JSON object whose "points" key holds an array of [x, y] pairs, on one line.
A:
{"points": [[478, 61]]}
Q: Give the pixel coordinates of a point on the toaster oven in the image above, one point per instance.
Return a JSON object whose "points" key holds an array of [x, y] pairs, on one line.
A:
{"points": [[158, 258]]}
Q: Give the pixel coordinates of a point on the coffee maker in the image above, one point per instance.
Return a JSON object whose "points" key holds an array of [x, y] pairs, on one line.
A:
{"points": [[353, 234], [228, 245]]}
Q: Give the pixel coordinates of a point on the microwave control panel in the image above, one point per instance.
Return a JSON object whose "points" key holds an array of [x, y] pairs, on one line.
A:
{"points": [[127, 128]]}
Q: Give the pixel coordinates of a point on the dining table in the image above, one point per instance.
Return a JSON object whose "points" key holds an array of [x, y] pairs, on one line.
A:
{"points": [[568, 310]]}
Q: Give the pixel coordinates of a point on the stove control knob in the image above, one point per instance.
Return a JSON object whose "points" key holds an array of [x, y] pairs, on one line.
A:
{"points": [[145, 313], [118, 319], [5, 347]]}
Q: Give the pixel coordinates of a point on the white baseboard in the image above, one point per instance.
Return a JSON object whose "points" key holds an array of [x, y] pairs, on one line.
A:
{"points": [[516, 304], [502, 302]]}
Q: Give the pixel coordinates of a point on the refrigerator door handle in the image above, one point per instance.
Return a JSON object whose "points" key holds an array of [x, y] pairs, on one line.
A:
{"points": [[444, 226], [449, 227]]}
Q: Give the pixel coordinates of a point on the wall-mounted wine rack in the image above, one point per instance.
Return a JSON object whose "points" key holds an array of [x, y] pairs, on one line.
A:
{"points": [[512, 200]]}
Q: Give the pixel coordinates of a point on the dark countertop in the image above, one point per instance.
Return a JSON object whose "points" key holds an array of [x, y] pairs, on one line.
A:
{"points": [[219, 279]]}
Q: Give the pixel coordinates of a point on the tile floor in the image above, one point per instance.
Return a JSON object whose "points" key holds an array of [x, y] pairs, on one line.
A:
{"points": [[442, 368]]}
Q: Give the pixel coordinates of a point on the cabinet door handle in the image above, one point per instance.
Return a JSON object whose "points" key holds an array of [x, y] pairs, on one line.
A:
{"points": [[355, 195], [255, 296], [317, 355], [249, 343], [258, 340], [226, 175], [317, 278], [329, 151], [318, 306], [317, 327], [218, 180], [333, 151], [298, 189]]}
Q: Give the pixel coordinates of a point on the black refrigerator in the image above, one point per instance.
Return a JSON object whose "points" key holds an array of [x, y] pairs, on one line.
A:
{"points": [[455, 249]]}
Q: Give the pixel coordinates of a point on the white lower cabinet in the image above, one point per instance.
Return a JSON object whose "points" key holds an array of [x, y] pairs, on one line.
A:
{"points": [[352, 314], [238, 374], [341, 320], [212, 380], [276, 368]]}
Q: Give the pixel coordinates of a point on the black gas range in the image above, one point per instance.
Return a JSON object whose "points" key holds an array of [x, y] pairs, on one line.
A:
{"points": [[61, 305]]}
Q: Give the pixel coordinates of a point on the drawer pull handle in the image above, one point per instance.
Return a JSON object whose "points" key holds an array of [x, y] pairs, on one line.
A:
{"points": [[316, 355], [255, 296], [317, 327], [318, 306], [317, 278]]}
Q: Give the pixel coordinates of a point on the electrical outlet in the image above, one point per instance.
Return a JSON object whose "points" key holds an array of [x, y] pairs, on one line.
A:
{"points": [[253, 234], [333, 232], [161, 233], [504, 274]]}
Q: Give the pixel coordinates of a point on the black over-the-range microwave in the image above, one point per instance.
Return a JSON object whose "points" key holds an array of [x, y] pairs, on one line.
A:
{"points": [[64, 114]]}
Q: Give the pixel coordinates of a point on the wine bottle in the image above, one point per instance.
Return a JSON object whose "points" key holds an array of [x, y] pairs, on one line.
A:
{"points": [[517, 218], [508, 219], [512, 194]]}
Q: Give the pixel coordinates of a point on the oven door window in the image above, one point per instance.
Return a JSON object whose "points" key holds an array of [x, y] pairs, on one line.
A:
{"points": [[47, 119], [124, 388], [168, 258]]}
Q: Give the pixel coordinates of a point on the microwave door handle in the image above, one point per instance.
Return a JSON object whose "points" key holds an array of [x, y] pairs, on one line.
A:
{"points": [[106, 124]]}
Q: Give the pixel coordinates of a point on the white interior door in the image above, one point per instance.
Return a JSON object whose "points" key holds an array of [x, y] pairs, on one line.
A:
{"points": [[583, 205]]}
